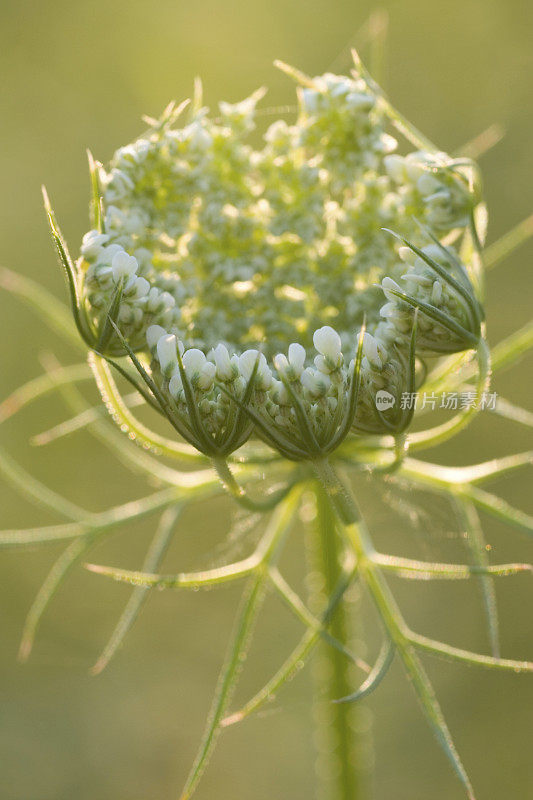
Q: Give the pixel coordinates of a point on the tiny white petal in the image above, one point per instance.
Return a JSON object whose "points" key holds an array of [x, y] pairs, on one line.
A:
{"points": [[370, 349], [123, 265], [175, 385], [207, 376], [297, 356], [154, 334], [224, 367], [436, 293], [315, 382], [321, 364], [142, 287], [193, 361], [395, 166], [92, 243], [328, 342], [387, 284], [281, 362], [405, 253], [167, 353], [388, 310]]}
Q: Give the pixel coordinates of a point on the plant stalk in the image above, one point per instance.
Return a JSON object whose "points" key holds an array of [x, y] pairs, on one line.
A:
{"points": [[340, 752]]}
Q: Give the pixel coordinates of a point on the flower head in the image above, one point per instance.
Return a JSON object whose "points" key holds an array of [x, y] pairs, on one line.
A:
{"points": [[246, 276]]}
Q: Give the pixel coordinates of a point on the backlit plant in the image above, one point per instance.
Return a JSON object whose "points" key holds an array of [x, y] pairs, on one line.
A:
{"points": [[280, 306]]}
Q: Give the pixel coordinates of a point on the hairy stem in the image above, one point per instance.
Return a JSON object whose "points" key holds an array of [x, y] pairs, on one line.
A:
{"points": [[344, 505], [339, 756]]}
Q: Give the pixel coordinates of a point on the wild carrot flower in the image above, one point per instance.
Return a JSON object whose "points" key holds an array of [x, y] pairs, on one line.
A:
{"points": [[249, 277], [262, 300]]}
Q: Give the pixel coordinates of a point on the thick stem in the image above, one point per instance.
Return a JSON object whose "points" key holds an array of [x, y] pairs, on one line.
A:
{"points": [[340, 756]]}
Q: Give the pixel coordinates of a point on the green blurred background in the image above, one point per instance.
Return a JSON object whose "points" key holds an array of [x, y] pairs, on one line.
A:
{"points": [[76, 75]]}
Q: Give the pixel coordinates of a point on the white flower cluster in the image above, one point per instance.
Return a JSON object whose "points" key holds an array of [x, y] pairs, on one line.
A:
{"points": [[299, 406], [110, 269], [268, 244], [436, 283], [227, 264], [432, 188], [341, 121]]}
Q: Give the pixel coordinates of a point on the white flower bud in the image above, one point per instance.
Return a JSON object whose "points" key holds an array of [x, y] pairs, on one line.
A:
{"points": [[386, 284], [119, 183], [328, 343], [310, 100], [279, 393], [292, 365], [370, 349], [166, 300], [395, 166], [225, 369], [167, 354], [123, 265], [106, 254], [359, 100], [193, 363], [154, 334], [142, 287], [428, 184], [386, 144], [321, 364], [281, 362], [436, 293], [175, 386], [198, 136], [263, 376], [315, 383], [297, 358], [406, 254], [414, 165], [207, 376], [152, 301], [388, 310], [92, 243]]}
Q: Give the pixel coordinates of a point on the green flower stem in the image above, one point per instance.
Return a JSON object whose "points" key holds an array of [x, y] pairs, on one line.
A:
{"points": [[344, 505], [340, 764]]}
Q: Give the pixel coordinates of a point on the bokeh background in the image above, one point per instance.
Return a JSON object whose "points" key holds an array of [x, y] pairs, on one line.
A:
{"points": [[81, 74]]}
